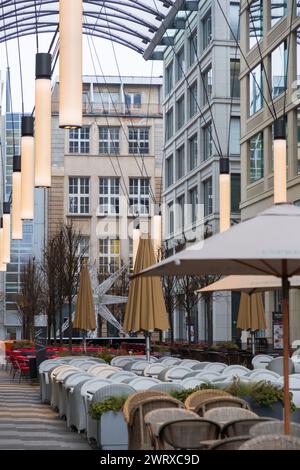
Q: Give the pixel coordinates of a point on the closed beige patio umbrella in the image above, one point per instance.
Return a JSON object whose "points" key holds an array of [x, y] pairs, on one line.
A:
{"points": [[251, 315], [145, 310], [268, 244], [85, 316]]}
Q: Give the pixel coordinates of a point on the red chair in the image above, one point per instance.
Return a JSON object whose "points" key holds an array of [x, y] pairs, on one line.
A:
{"points": [[23, 368]]}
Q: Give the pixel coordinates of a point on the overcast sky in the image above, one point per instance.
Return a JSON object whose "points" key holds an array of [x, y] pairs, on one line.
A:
{"points": [[130, 63]]}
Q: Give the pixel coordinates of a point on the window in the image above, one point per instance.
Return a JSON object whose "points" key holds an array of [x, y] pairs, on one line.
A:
{"points": [[171, 218], [106, 101], [256, 157], [278, 10], [84, 247], [256, 90], [180, 163], [133, 100], [180, 64], [193, 200], [109, 195], [109, 140], [207, 142], [298, 59], [208, 197], [169, 171], [235, 136], [180, 212], [235, 193], [169, 124], [234, 78], [180, 112], [207, 85], [79, 195], [139, 140], [298, 8], [279, 69], [109, 255], [234, 17], [169, 78], [193, 152], [207, 32], [193, 46], [255, 22], [193, 99], [79, 140], [139, 189]]}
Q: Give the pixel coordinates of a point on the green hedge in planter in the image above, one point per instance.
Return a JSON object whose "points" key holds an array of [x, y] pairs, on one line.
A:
{"points": [[114, 404], [263, 393], [183, 394]]}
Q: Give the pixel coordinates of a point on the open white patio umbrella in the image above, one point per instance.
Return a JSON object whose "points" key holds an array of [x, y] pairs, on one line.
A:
{"points": [[268, 244], [249, 286]]}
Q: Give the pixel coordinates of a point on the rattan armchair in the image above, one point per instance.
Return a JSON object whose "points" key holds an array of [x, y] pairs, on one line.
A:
{"points": [[155, 419], [195, 400], [188, 434], [272, 442], [137, 398], [225, 414], [218, 402], [138, 436], [241, 427], [273, 427]]}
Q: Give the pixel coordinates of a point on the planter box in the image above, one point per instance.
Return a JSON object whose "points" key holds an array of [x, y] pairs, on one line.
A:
{"points": [[276, 411], [112, 431]]}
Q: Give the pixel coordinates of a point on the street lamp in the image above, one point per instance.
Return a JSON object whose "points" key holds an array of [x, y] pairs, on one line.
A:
{"points": [[17, 228], [225, 194], [27, 171], [280, 183]]}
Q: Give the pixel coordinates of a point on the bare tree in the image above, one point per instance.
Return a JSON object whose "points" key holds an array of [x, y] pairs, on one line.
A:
{"points": [[30, 296], [170, 290], [50, 285], [73, 259]]}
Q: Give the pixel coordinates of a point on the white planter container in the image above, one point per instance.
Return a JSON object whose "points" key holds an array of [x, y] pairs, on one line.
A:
{"points": [[112, 431]]}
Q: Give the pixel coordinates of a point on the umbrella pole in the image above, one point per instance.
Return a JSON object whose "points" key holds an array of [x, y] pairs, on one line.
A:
{"points": [[253, 341], [286, 350], [148, 346]]}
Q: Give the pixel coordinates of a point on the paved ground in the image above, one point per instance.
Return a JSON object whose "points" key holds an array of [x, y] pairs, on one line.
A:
{"points": [[26, 424]]}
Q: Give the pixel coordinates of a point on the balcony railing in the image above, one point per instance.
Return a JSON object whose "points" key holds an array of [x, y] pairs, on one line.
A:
{"points": [[109, 109]]}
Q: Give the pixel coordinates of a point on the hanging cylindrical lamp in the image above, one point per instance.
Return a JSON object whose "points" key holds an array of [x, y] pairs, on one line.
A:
{"points": [[136, 236], [6, 233], [157, 231], [27, 159], [2, 264], [280, 180], [17, 227], [43, 121], [70, 63], [225, 194]]}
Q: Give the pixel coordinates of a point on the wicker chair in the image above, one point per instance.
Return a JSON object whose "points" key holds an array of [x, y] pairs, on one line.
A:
{"points": [[232, 443], [273, 427], [241, 427], [187, 434], [155, 419], [138, 436], [272, 442], [225, 414], [135, 400], [195, 400], [218, 402]]}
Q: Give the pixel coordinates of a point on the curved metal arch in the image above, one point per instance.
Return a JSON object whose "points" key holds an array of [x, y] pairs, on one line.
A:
{"points": [[129, 22]]}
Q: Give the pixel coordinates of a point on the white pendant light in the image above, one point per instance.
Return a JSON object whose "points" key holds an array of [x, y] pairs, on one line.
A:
{"points": [[280, 178], [27, 159], [17, 227], [70, 63], [43, 121], [136, 236], [157, 233], [6, 233], [225, 194], [2, 264]]}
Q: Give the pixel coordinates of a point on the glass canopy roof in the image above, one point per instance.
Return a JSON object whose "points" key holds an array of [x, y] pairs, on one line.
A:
{"points": [[132, 23]]}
